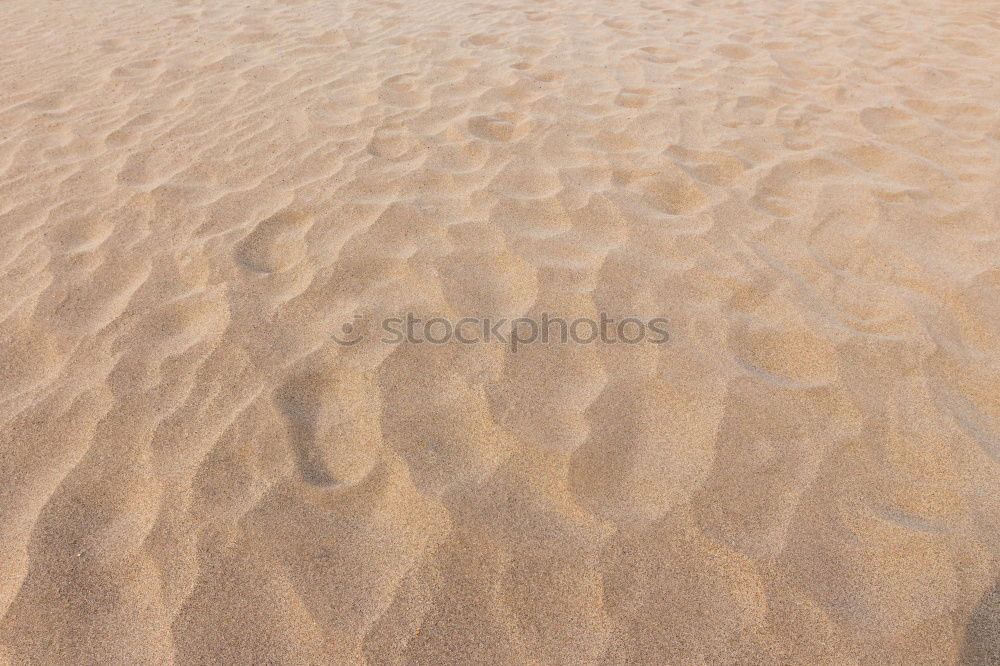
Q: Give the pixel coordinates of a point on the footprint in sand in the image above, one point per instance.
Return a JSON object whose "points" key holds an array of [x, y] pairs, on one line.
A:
{"points": [[276, 244], [332, 426], [733, 51], [502, 127], [403, 90], [483, 39], [394, 142], [634, 98]]}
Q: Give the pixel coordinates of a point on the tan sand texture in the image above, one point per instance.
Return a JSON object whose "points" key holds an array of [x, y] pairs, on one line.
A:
{"points": [[195, 195]]}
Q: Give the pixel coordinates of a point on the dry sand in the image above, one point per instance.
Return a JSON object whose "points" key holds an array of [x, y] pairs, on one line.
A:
{"points": [[195, 195]]}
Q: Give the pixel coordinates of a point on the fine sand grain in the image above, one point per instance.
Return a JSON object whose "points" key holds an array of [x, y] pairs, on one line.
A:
{"points": [[196, 196]]}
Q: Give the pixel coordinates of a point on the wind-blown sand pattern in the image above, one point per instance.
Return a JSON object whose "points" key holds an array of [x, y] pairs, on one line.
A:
{"points": [[195, 195]]}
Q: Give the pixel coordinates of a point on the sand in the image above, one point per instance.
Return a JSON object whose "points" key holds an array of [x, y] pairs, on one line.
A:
{"points": [[197, 197]]}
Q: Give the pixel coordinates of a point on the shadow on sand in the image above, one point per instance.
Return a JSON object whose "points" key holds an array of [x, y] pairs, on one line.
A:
{"points": [[982, 636]]}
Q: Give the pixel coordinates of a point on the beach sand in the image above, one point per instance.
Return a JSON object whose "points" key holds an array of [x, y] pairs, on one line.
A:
{"points": [[197, 197]]}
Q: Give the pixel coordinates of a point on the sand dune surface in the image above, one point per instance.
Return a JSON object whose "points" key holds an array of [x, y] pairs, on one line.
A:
{"points": [[209, 454]]}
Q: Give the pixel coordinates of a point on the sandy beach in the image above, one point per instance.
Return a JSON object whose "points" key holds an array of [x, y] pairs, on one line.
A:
{"points": [[220, 443]]}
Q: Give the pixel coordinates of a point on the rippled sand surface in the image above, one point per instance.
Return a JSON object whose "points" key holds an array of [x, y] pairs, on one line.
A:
{"points": [[195, 195]]}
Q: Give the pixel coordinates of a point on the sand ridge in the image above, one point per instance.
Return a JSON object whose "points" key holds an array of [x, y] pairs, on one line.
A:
{"points": [[194, 195]]}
